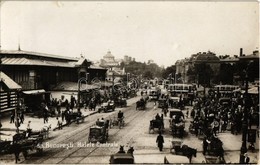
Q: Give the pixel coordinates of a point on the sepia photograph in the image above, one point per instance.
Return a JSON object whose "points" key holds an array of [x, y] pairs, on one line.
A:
{"points": [[129, 82]]}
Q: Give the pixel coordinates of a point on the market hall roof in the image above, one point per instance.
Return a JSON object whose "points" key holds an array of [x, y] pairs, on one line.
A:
{"points": [[36, 54], [39, 59]]}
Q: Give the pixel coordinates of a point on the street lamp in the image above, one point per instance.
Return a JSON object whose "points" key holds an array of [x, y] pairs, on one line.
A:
{"points": [[0, 92], [246, 98]]}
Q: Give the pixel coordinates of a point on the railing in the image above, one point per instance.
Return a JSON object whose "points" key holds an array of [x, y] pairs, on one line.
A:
{"points": [[8, 101]]}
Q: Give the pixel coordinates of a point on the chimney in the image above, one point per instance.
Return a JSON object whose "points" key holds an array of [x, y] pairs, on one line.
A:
{"points": [[241, 52]]}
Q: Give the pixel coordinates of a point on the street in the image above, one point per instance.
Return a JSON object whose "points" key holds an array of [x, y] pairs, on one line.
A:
{"points": [[70, 145]]}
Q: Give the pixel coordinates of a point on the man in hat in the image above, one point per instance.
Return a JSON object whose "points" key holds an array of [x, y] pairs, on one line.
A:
{"points": [[160, 141]]}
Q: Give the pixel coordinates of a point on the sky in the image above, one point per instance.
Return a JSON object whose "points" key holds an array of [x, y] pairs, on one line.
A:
{"points": [[164, 31]]}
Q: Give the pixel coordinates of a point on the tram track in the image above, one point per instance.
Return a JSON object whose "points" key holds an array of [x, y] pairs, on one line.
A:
{"points": [[81, 133]]}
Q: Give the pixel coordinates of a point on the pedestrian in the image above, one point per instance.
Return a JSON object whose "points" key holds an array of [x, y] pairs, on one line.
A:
{"points": [[59, 123], [59, 107], [205, 145], [246, 159], [160, 141], [45, 117], [22, 117], [215, 126], [12, 117]]}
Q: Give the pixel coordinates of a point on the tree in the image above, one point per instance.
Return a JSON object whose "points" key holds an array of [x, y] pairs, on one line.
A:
{"points": [[169, 70], [148, 75]]}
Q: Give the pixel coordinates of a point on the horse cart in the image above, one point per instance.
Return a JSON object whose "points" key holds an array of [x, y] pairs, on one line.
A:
{"points": [[213, 151], [107, 107], [5, 147], [177, 124], [121, 102], [162, 103], [122, 158], [179, 149], [141, 104], [158, 124], [98, 133], [76, 116]]}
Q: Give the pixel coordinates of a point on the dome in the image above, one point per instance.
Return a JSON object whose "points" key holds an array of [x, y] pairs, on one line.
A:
{"points": [[109, 55]]}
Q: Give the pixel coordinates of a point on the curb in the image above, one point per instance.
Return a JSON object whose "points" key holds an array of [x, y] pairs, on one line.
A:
{"points": [[63, 125]]}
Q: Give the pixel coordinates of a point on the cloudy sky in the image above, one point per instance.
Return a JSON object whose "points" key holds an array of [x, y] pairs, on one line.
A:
{"points": [[164, 31]]}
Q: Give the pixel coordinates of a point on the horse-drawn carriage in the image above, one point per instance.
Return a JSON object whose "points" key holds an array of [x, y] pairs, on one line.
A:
{"points": [[76, 116], [162, 103], [5, 147], [179, 149], [177, 124], [174, 102], [107, 107], [141, 104], [156, 123], [123, 157], [99, 132], [121, 102], [213, 149]]}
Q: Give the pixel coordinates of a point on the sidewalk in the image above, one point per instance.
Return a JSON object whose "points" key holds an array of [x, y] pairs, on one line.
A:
{"points": [[8, 129]]}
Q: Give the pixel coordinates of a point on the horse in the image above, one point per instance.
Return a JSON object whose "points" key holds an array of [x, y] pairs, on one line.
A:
{"points": [[130, 150], [92, 105], [189, 152], [121, 149]]}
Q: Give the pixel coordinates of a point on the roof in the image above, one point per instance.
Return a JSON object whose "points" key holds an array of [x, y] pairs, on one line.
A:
{"points": [[254, 90], [73, 86], [38, 62], [207, 57], [22, 52], [9, 82], [251, 56], [34, 91], [96, 67]]}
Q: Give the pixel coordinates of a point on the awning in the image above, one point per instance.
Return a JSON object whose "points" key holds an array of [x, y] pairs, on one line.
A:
{"points": [[73, 86], [9, 82], [254, 90], [34, 92]]}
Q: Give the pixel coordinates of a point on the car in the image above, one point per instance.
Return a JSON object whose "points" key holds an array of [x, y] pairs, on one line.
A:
{"points": [[107, 106], [173, 112]]}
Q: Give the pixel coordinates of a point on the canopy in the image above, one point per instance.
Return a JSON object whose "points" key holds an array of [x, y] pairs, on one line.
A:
{"points": [[8, 81], [73, 86], [40, 91], [254, 90]]}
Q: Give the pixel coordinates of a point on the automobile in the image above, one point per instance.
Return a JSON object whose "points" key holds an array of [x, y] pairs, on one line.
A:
{"points": [[107, 106], [173, 112], [162, 102], [121, 102]]}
